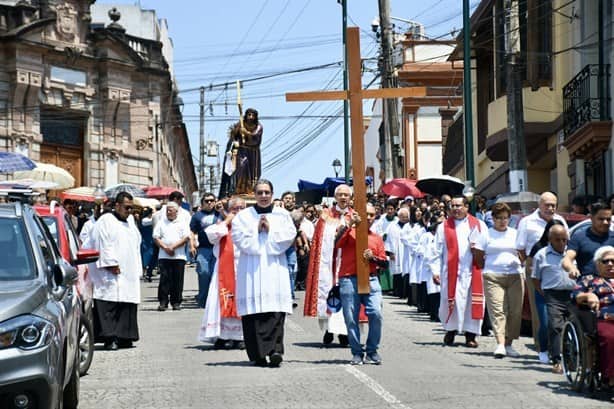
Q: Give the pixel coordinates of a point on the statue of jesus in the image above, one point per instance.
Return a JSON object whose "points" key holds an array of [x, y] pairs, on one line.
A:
{"points": [[242, 160]]}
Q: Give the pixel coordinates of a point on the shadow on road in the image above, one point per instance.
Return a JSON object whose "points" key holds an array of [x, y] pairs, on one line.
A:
{"points": [[318, 345]]}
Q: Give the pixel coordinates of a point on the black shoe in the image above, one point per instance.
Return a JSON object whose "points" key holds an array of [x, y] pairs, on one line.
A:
{"points": [[276, 359], [239, 345], [162, 307], [125, 343], [261, 362], [343, 340], [294, 304], [448, 339], [177, 307], [229, 344], [219, 343], [111, 345], [328, 338]]}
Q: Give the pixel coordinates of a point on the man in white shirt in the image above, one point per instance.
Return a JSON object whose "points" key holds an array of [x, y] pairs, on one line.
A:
{"points": [[530, 230], [171, 235]]}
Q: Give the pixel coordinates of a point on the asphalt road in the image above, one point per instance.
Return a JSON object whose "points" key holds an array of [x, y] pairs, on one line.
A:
{"points": [[170, 368]]}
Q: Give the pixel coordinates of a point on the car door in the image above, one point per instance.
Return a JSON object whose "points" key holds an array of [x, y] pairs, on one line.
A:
{"points": [[67, 300]]}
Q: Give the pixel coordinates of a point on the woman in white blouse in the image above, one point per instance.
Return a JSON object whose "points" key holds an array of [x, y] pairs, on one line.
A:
{"points": [[503, 284]]}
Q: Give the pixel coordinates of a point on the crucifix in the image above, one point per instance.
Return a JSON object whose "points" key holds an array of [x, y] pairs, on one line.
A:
{"points": [[356, 94]]}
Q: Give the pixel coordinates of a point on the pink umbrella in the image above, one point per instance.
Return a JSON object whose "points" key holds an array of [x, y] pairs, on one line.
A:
{"points": [[402, 188]]}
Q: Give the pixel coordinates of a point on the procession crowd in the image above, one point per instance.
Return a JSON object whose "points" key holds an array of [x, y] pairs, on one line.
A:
{"points": [[470, 273]]}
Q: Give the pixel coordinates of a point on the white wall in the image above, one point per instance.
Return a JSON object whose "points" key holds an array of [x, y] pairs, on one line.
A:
{"points": [[372, 141]]}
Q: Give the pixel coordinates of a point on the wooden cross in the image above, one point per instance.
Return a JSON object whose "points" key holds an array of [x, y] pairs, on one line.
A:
{"points": [[356, 94]]}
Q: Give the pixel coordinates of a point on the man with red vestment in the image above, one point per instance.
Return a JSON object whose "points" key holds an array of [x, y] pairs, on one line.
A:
{"points": [[319, 279], [456, 263], [220, 323]]}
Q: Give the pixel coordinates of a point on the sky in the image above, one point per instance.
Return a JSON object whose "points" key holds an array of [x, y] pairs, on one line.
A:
{"points": [[220, 42]]}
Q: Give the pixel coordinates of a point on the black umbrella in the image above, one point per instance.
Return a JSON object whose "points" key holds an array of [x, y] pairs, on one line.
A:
{"points": [[439, 185]]}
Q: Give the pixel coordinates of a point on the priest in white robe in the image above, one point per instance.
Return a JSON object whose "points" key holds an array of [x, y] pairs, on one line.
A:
{"points": [[221, 323], [456, 263], [396, 249], [262, 234], [116, 275]]}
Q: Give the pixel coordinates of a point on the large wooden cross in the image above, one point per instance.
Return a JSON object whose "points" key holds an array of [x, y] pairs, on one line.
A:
{"points": [[356, 94]]}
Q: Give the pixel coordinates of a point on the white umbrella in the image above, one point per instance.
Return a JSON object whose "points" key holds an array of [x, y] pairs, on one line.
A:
{"points": [[46, 172], [32, 184]]}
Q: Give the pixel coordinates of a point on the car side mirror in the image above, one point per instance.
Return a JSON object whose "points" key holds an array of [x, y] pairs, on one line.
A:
{"points": [[65, 275], [86, 256]]}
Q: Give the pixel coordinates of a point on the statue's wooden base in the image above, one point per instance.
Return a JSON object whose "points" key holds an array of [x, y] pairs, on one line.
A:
{"points": [[250, 198]]}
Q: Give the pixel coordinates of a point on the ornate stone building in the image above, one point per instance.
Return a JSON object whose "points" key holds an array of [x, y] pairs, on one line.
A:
{"points": [[90, 98]]}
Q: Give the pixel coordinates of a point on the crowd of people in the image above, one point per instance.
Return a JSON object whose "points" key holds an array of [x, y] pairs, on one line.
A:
{"points": [[471, 273]]}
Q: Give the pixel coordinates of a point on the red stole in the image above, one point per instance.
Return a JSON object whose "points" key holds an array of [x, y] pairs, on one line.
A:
{"points": [[226, 278], [313, 272], [477, 289]]}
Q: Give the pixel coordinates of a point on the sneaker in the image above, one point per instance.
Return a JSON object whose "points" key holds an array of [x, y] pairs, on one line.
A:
{"points": [[373, 358], [510, 351], [275, 360], [500, 351], [543, 357], [356, 360], [557, 368]]}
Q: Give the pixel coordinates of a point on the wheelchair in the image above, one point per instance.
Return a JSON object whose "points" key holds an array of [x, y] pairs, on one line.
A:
{"points": [[580, 350]]}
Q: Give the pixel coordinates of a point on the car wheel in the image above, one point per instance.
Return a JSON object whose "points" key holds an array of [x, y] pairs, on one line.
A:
{"points": [[71, 392], [86, 345]]}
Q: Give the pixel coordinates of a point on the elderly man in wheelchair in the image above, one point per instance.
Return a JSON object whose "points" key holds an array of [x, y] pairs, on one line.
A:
{"points": [[588, 336]]}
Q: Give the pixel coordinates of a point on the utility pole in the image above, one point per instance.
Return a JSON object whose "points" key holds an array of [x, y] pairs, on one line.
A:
{"points": [[157, 137], [390, 116], [346, 103], [517, 156], [201, 157], [467, 102]]}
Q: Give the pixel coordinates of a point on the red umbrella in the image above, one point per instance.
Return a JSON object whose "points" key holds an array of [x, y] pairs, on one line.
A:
{"points": [[160, 191], [402, 188]]}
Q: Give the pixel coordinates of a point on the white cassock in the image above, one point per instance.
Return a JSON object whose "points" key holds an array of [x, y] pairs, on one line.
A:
{"points": [[263, 281], [331, 322], [213, 325], [119, 244], [460, 320], [426, 247], [413, 242], [408, 256], [393, 245], [381, 225]]}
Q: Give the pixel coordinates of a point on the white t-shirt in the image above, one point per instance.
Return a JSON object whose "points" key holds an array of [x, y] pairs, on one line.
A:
{"points": [[530, 230], [501, 256], [170, 233]]}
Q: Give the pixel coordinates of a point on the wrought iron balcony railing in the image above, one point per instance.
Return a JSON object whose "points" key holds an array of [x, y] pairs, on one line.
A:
{"points": [[581, 100]]}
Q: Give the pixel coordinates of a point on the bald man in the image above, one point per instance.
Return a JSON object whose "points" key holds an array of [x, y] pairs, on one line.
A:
{"points": [[530, 230]]}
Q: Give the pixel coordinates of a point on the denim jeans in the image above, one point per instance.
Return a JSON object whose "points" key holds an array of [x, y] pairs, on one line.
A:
{"points": [[205, 262], [542, 313], [292, 271], [351, 301]]}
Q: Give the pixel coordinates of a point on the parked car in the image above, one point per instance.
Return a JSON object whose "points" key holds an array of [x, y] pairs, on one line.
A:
{"points": [[59, 224], [40, 313]]}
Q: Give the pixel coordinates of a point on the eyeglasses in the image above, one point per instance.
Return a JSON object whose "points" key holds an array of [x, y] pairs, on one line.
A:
{"points": [[209, 200], [607, 261]]}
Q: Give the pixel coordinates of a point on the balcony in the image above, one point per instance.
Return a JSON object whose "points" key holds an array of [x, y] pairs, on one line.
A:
{"points": [[586, 114]]}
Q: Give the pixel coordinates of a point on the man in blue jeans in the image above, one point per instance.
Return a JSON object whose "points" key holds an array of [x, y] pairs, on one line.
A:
{"points": [[205, 260], [350, 299]]}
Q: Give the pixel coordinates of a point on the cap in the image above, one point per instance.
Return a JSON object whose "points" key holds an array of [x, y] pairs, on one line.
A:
{"points": [[408, 198]]}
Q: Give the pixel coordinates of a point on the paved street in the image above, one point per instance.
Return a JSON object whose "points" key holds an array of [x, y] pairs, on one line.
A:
{"points": [[169, 368]]}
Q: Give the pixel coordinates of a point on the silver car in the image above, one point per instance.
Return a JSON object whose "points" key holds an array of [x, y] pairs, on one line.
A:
{"points": [[39, 316]]}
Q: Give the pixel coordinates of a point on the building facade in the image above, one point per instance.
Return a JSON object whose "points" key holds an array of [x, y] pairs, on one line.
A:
{"points": [[90, 97], [565, 92]]}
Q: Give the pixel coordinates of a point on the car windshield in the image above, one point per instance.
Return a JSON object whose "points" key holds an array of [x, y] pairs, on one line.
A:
{"points": [[16, 262]]}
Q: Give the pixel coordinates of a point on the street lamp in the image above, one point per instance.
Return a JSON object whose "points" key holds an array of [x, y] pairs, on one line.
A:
{"points": [[469, 192], [99, 195], [336, 167]]}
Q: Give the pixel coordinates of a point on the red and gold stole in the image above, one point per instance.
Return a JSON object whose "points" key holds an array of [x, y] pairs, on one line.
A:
{"points": [[477, 289], [226, 278]]}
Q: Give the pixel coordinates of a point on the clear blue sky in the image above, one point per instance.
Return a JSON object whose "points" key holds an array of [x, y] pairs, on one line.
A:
{"points": [[224, 41]]}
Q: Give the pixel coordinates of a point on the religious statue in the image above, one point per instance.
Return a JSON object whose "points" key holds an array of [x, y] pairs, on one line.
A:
{"points": [[242, 160]]}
